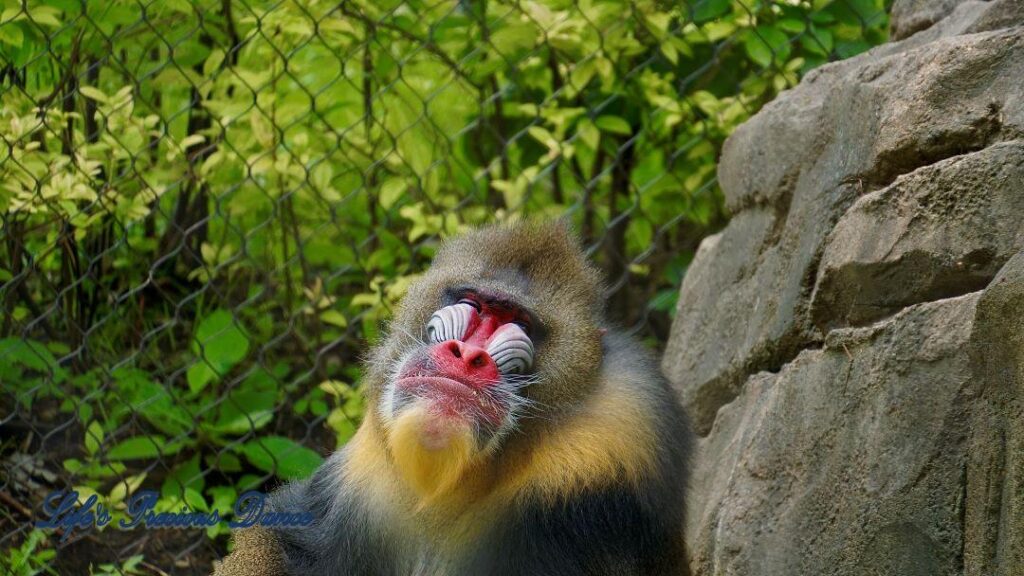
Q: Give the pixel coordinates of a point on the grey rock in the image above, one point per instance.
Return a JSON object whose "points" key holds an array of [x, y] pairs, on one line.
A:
{"points": [[943, 230], [849, 461], [994, 492], [926, 20], [879, 115], [848, 129], [726, 260], [911, 16], [851, 346], [999, 14], [742, 303]]}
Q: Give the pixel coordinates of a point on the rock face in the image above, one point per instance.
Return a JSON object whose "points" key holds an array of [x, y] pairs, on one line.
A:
{"points": [[942, 230], [851, 346], [910, 16]]}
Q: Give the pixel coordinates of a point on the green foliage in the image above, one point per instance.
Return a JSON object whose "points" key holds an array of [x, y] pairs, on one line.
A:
{"points": [[131, 566], [206, 219], [283, 456], [31, 558], [220, 344]]}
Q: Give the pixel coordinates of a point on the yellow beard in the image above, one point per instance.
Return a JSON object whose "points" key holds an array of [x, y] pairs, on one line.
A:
{"points": [[430, 453]]}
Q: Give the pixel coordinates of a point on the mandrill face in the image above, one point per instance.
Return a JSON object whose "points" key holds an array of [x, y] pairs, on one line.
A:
{"points": [[464, 383]]}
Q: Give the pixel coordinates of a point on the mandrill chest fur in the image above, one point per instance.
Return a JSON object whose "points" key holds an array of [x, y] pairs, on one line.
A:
{"points": [[512, 433]]}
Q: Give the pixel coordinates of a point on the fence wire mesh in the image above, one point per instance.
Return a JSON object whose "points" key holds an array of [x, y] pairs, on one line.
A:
{"points": [[210, 207]]}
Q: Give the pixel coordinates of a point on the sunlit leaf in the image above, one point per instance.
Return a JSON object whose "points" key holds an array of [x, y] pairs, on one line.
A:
{"points": [[219, 344], [613, 125], [142, 447], [281, 456]]}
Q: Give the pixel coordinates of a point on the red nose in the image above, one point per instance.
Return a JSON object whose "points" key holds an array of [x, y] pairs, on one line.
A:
{"points": [[465, 362]]}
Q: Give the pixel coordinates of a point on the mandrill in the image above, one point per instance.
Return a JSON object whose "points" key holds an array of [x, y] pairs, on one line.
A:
{"points": [[510, 433]]}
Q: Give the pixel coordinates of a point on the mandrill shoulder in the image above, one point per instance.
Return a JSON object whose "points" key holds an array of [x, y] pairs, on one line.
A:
{"points": [[633, 375], [629, 431], [605, 492]]}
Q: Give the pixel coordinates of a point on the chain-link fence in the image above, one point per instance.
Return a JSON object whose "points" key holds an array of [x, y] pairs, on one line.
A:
{"points": [[209, 208]]}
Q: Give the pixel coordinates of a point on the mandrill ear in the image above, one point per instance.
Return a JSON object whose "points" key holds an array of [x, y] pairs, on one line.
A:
{"points": [[601, 332]]}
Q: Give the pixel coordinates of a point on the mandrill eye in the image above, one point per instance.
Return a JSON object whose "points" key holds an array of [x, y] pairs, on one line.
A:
{"points": [[511, 350], [473, 303], [450, 322]]}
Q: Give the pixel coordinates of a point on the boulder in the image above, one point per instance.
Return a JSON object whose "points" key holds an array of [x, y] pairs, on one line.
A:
{"points": [[849, 129], [911, 16], [943, 230], [850, 460], [879, 115], [851, 345], [994, 481], [743, 301]]}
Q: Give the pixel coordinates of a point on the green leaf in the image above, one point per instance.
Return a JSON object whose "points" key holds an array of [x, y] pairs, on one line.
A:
{"points": [[765, 44], [152, 401], [184, 476], [850, 49], [614, 125], [817, 41], [822, 18], [589, 133], [220, 344], [581, 75], [542, 135], [792, 25], [664, 301], [706, 10], [513, 38], [45, 15], [10, 33], [334, 318], [343, 426], [245, 411], [12, 14], [213, 62], [195, 500], [391, 191], [199, 375], [28, 353], [224, 461], [93, 437], [669, 51], [757, 50], [93, 94], [140, 447], [281, 456]]}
